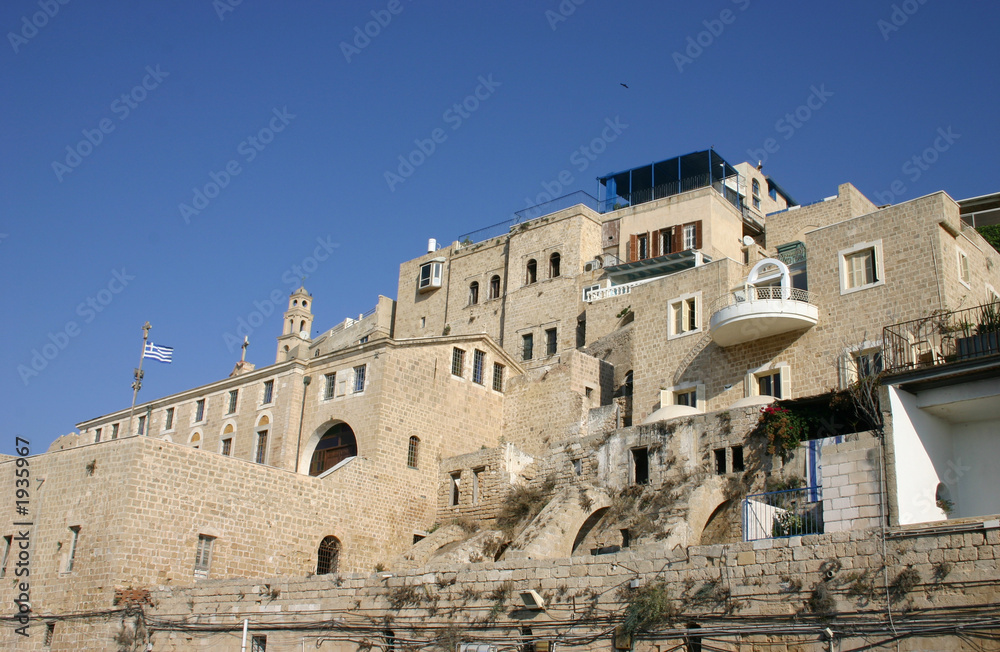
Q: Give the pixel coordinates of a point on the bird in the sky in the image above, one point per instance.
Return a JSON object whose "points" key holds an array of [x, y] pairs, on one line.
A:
{"points": [[625, 85]]}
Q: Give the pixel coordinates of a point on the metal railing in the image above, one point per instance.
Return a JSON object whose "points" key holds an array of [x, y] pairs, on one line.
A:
{"points": [[779, 514], [764, 293], [670, 189], [942, 337]]}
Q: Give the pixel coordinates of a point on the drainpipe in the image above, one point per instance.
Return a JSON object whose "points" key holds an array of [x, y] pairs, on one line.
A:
{"points": [[503, 299], [246, 622], [298, 444]]}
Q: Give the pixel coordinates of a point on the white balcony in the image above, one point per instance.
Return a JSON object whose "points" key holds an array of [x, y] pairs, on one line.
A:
{"points": [[757, 312]]}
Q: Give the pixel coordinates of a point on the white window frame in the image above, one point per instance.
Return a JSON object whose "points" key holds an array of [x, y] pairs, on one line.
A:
{"points": [[434, 274], [849, 360], [964, 268], [263, 397], [588, 290], [361, 375], [992, 296], [232, 402], [668, 395], [753, 376], [879, 269], [681, 303], [690, 236]]}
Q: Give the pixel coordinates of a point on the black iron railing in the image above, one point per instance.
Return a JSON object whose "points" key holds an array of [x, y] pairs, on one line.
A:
{"points": [[942, 337]]}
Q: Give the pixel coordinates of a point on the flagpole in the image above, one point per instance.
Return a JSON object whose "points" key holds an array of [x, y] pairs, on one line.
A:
{"points": [[137, 383]]}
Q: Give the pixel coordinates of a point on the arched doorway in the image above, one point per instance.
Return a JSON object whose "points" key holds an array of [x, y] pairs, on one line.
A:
{"points": [[336, 445]]}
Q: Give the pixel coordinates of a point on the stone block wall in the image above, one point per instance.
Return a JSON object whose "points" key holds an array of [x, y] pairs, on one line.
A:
{"points": [[851, 484]]}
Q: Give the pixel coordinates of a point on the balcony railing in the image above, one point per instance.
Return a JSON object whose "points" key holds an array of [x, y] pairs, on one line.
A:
{"points": [[764, 293], [942, 337], [779, 514]]}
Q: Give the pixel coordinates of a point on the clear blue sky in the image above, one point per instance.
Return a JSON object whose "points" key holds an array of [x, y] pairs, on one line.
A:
{"points": [[74, 217]]}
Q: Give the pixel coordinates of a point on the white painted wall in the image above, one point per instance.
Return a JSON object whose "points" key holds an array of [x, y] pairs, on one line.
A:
{"points": [[975, 470], [922, 448]]}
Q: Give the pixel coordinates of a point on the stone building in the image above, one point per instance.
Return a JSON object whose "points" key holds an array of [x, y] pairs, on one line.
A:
{"points": [[567, 410]]}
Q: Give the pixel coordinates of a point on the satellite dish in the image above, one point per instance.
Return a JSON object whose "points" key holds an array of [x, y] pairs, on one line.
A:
{"points": [[747, 241]]}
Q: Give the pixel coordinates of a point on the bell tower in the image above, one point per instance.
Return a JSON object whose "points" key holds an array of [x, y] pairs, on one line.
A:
{"points": [[296, 326]]}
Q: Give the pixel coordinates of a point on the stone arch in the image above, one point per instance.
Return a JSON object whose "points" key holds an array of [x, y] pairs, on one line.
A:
{"points": [[331, 444], [783, 271], [588, 528], [723, 525], [554, 531], [195, 440]]}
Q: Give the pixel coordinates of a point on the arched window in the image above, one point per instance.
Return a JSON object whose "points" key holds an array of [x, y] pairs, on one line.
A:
{"points": [[554, 265], [532, 272], [302, 325], [473, 293], [336, 445], [328, 556], [495, 287], [196, 440], [412, 451]]}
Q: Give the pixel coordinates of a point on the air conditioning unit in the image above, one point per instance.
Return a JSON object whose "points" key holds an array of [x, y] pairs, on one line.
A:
{"points": [[591, 265]]}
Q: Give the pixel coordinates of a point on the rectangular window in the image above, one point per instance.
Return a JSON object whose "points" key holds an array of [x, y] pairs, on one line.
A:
{"points": [[737, 459], [331, 384], [769, 384], [527, 346], [199, 410], [963, 268], [457, 362], [227, 446], [478, 363], [497, 377], [666, 241], [690, 236], [860, 267], [169, 422], [551, 341], [268, 392], [142, 425], [456, 480], [71, 556], [578, 466], [587, 291], [642, 247], [234, 395], [720, 460], [868, 363], [258, 643], [640, 466], [7, 542], [687, 397], [476, 481], [114, 431], [97, 436], [203, 555], [684, 316], [364, 340], [412, 451], [261, 447], [359, 378], [626, 537], [430, 275]]}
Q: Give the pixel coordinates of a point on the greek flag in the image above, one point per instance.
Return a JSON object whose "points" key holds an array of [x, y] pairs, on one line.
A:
{"points": [[158, 353]]}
